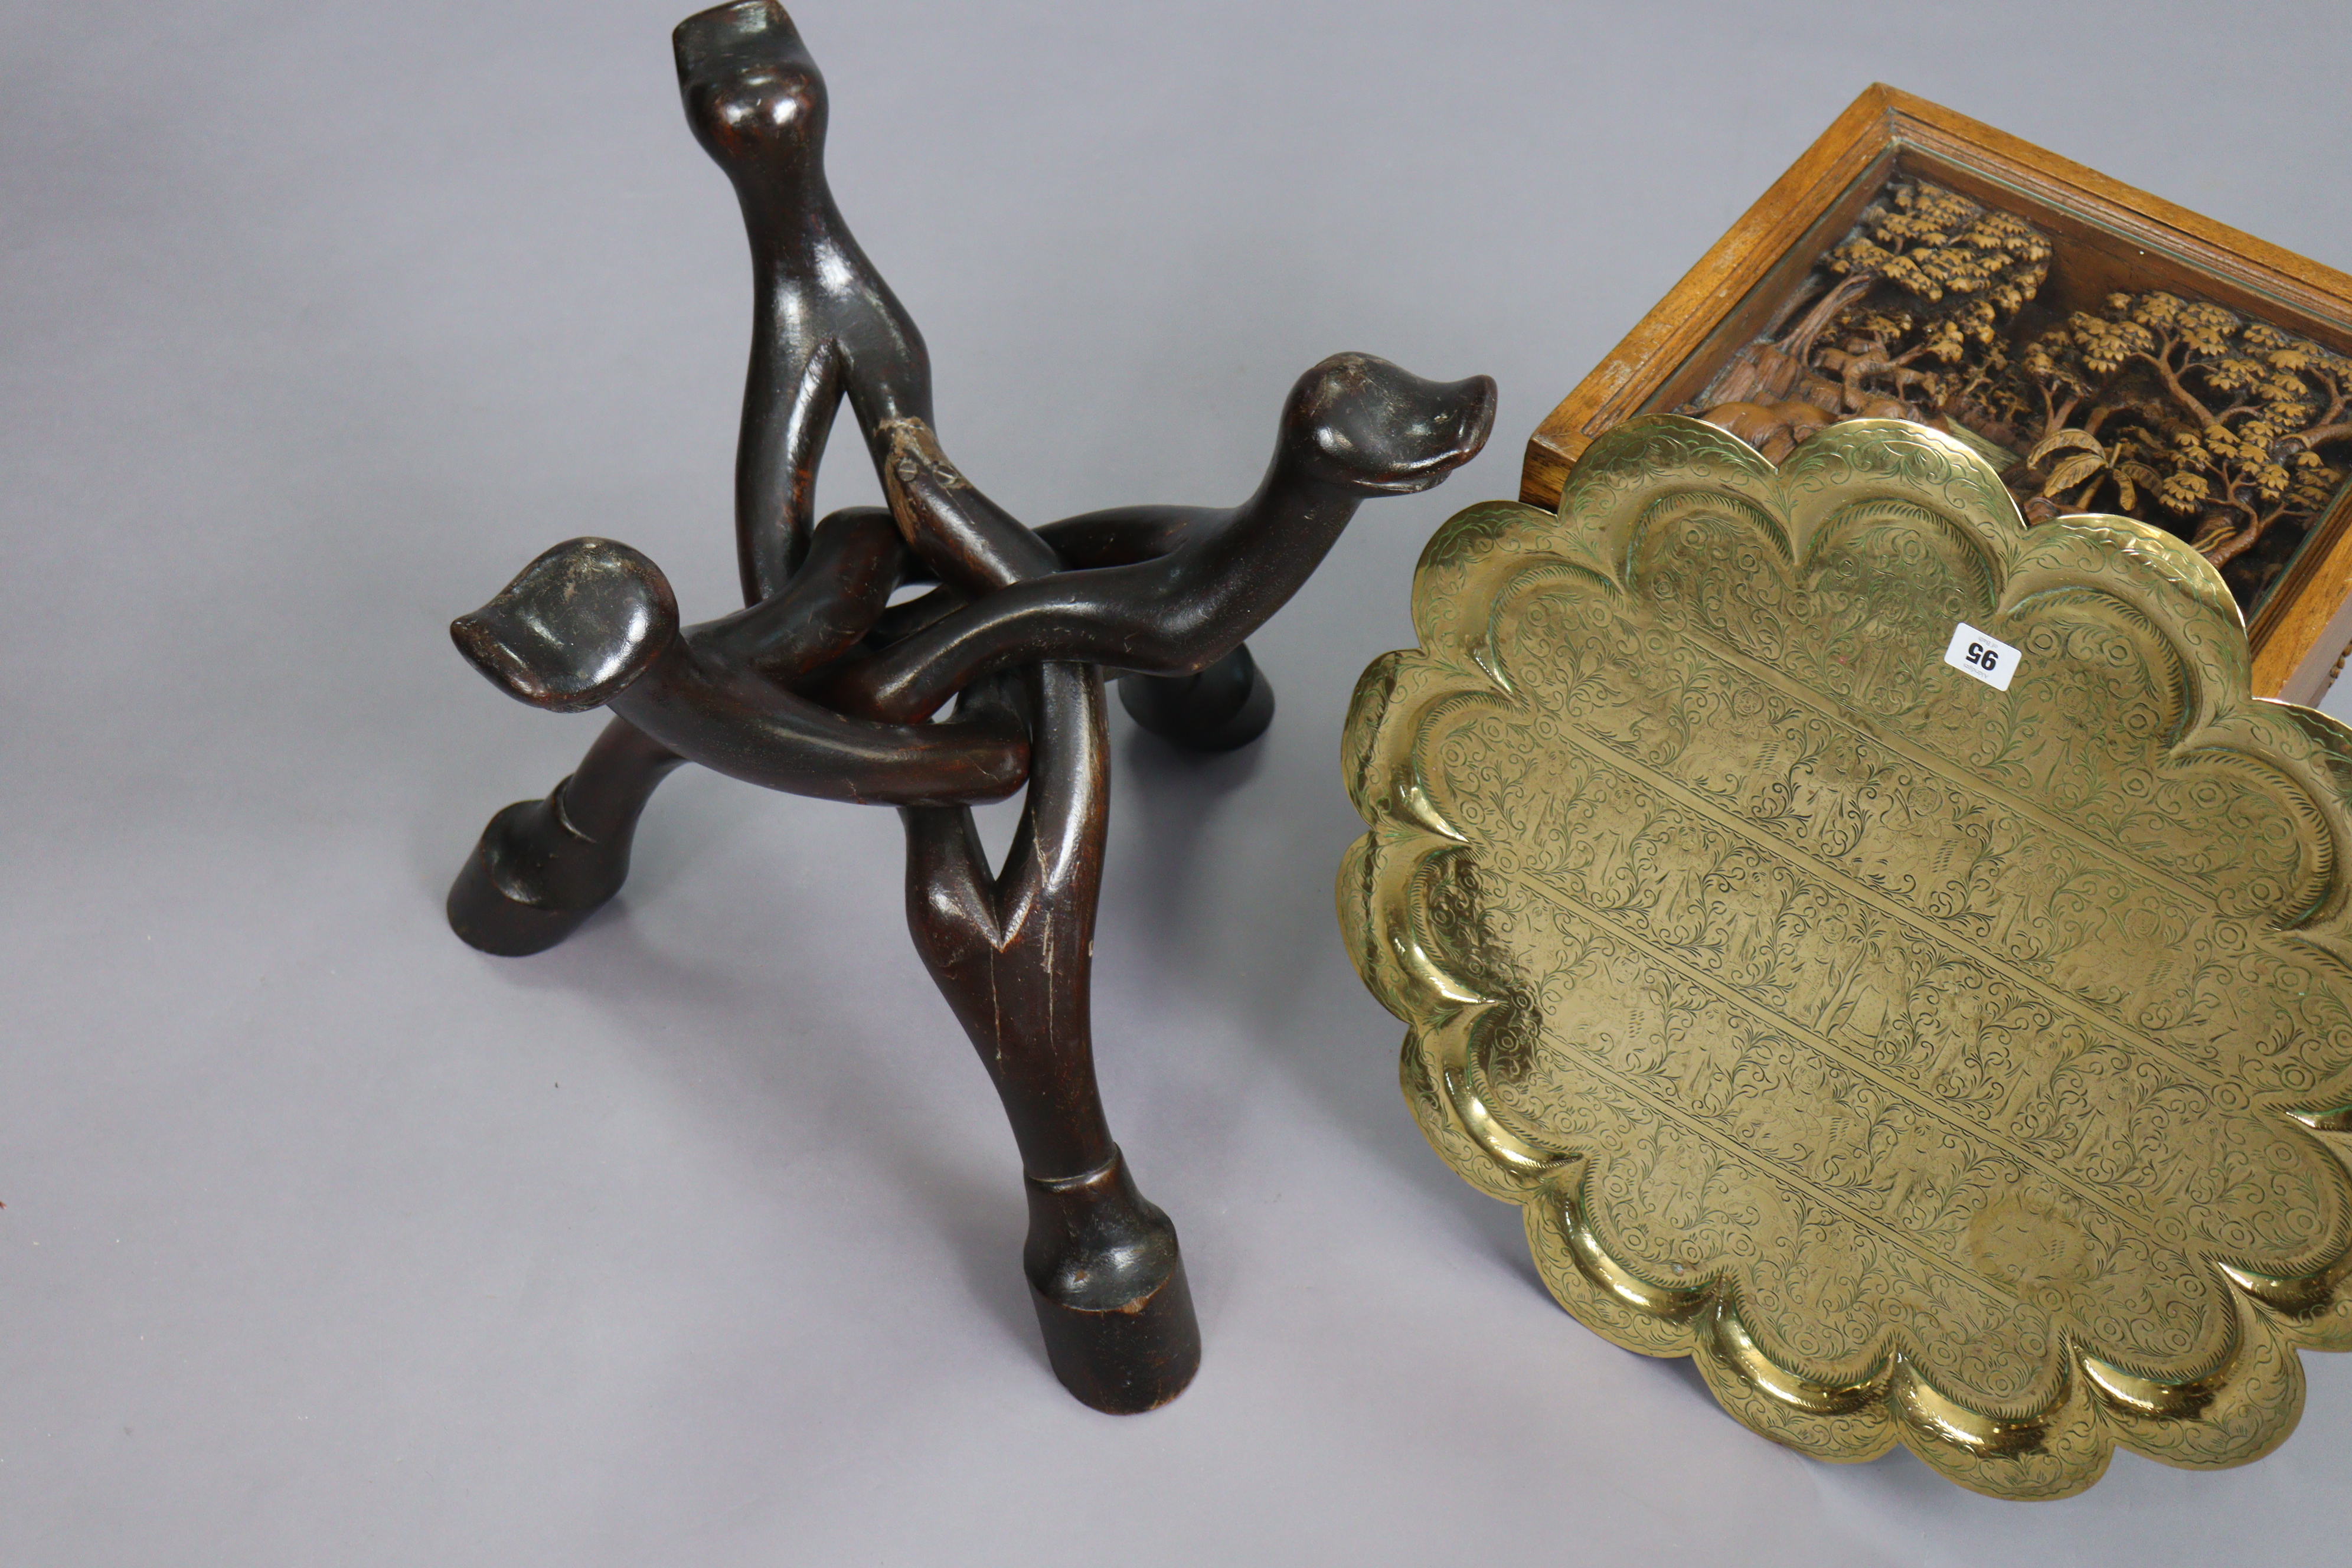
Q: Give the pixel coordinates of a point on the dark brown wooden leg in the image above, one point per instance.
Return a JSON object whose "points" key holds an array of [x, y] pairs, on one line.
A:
{"points": [[542, 866], [1223, 709], [1013, 955], [823, 687], [1354, 427], [825, 326], [1109, 1289], [593, 623]]}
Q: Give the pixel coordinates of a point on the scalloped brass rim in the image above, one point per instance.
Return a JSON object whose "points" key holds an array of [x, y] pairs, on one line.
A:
{"points": [[1664, 533]]}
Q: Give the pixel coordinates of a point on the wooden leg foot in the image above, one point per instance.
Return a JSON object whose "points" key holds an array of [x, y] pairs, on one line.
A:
{"points": [[533, 879], [1224, 706], [1108, 1286]]}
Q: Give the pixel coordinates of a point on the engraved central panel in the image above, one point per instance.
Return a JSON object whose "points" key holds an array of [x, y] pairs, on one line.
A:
{"points": [[1904, 1002]]}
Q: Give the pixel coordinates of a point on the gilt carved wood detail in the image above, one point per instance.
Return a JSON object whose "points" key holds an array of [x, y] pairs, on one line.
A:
{"points": [[2202, 367], [990, 681], [2212, 423]]}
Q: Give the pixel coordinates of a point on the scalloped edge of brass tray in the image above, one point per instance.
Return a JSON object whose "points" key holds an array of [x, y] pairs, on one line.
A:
{"points": [[2233, 1412]]}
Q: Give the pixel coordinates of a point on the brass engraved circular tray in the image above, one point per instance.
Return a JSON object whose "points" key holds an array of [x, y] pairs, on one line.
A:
{"points": [[1932, 1063]]}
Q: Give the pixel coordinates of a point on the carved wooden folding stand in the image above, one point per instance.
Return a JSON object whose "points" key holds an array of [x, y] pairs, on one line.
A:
{"points": [[824, 687]]}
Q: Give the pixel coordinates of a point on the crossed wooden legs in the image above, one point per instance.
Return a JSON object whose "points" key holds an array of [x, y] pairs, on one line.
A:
{"points": [[822, 686], [1012, 952]]}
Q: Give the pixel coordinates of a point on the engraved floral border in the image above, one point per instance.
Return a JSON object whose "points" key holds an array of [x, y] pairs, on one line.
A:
{"points": [[1392, 874]]}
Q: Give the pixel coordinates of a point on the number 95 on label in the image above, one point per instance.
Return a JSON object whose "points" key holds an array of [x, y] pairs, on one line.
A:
{"points": [[1982, 655]]}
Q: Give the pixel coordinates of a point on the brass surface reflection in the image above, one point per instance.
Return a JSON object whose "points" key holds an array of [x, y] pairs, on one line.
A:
{"points": [[1932, 1062]]}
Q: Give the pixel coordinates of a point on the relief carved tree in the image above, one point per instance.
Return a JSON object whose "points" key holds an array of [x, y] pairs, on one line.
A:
{"points": [[1910, 309], [2228, 423], [2221, 427]]}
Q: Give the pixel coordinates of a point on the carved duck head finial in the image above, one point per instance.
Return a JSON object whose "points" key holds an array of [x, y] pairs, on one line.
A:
{"points": [[1367, 428]]}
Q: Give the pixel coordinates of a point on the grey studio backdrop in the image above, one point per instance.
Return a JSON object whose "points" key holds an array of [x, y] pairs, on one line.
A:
{"points": [[328, 1240]]}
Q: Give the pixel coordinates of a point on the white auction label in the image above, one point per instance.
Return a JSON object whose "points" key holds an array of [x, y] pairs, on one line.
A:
{"points": [[1982, 655]]}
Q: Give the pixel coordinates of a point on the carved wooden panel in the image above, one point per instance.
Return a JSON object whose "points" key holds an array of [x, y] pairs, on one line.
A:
{"points": [[2108, 237]]}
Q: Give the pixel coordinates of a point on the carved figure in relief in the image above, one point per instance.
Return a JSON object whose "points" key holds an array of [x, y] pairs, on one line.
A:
{"points": [[2214, 425]]}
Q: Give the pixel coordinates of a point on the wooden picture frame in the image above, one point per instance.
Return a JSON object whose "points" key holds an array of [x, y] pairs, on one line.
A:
{"points": [[2109, 236]]}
